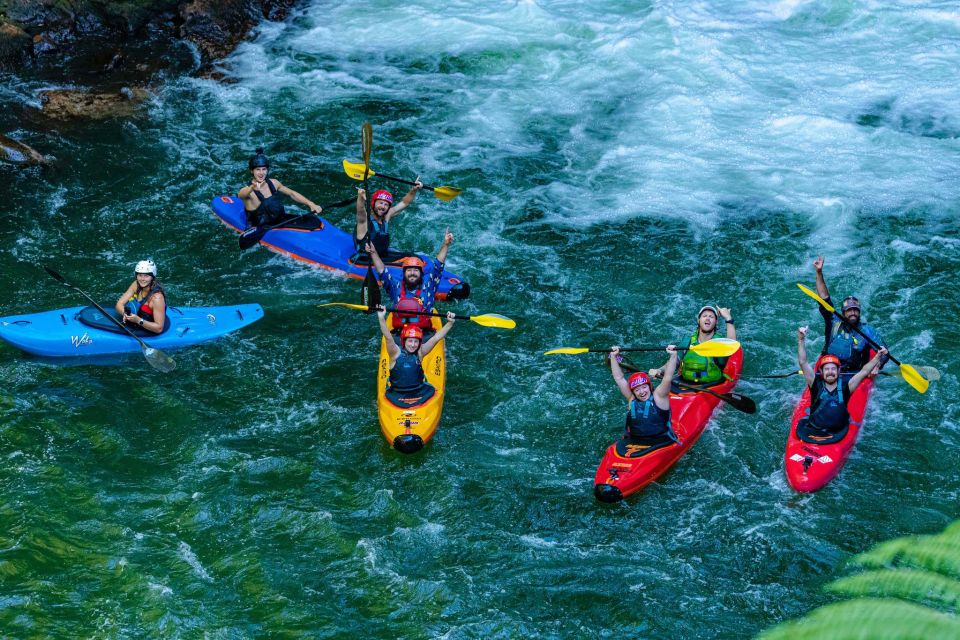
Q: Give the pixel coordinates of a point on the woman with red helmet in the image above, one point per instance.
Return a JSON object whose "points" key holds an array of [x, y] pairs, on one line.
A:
{"points": [[828, 417], [648, 409], [374, 226], [406, 372]]}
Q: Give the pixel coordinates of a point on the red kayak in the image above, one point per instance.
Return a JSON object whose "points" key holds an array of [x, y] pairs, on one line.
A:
{"points": [[626, 468], [810, 466]]}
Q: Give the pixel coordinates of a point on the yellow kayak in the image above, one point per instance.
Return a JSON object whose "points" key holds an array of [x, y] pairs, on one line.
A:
{"points": [[407, 428]]}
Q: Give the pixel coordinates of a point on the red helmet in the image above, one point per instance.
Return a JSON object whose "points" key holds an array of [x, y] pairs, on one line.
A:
{"points": [[406, 306], [411, 331], [382, 194], [828, 359], [412, 262], [638, 379]]}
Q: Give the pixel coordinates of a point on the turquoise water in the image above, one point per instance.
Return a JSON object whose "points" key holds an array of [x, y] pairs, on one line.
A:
{"points": [[622, 166]]}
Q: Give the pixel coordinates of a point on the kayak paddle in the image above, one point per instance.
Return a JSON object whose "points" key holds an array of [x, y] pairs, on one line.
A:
{"points": [[716, 348], [930, 373], [488, 320], [910, 374], [357, 171], [155, 358], [736, 400], [253, 235]]}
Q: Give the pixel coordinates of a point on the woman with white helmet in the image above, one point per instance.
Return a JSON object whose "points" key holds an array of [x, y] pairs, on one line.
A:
{"points": [[144, 303]]}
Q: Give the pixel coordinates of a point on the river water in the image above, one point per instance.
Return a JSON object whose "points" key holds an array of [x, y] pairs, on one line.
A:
{"points": [[622, 164]]}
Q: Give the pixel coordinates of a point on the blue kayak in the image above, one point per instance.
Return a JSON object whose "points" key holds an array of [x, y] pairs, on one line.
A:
{"points": [[328, 247], [84, 331]]}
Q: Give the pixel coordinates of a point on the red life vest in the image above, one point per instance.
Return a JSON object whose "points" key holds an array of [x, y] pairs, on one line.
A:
{"points": [[401, 319]]}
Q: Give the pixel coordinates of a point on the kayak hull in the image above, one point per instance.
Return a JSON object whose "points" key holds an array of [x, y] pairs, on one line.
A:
{"points": [[620, 476], [328, 247], [408, 429], [810, 466], [60, 334]]}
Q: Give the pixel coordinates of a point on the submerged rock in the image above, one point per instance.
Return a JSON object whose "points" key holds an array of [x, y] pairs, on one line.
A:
{"points": [[70, 104], [16, 152]]}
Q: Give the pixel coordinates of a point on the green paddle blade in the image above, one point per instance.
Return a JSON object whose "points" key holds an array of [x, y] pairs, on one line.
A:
{"points": [[913, 378], [813, 294], [359, 307], [716, 348], [567, 350], [356, 170], [494, 320], [158, 359], [446, 193]]}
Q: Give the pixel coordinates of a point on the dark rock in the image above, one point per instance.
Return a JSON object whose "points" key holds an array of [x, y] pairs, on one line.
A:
{"points": [[14, 43], [216, 27], [69, 104], [15, 152]]}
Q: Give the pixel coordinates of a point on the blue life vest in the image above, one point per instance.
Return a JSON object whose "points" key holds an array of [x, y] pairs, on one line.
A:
{"points": [[407, 373], [379, 235], [646, 420], [140, 306], [828, 409]]}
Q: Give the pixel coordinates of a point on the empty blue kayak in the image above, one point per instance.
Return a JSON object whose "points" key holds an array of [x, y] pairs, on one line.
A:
{"points": [[328, 247], [84, 331]]}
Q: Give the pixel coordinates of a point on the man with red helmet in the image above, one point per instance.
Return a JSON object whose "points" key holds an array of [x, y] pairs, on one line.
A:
{"points": [[406, 371], [648, 409], [375, 226], [828, 418], [841, 339], [419, 283]]}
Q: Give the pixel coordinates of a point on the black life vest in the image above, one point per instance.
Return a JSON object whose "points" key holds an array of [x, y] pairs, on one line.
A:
{"points": [[828, 409], [141, 306], [407, 373], [269, 211], [646, 420]]}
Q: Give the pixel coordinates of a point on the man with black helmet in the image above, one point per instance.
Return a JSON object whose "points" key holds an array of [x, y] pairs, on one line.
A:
{"points": [[841, 339], [260, 199]]}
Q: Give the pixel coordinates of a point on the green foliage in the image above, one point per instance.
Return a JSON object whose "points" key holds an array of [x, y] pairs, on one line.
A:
{"points": [[910, 590]]}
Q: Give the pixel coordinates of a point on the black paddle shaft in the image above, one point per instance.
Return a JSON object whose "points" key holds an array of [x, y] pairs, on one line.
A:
{"points": [[402, 181]]}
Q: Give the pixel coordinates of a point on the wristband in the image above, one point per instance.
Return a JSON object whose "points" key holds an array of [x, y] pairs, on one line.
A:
{"points": [[141, 322], [730, 321]]}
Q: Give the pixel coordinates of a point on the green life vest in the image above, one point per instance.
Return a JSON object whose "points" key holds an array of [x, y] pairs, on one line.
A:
{"points": [[701, 369]]}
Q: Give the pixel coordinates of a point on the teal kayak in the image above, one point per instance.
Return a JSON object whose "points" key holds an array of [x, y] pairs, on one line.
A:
{"points": [[85, 332]]}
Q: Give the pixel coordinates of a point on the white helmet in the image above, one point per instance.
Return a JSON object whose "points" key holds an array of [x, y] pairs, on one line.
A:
{"points": [[146, 266]]}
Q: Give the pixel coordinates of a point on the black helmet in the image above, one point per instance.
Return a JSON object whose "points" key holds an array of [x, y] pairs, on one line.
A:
{"points": [[259, 160]]}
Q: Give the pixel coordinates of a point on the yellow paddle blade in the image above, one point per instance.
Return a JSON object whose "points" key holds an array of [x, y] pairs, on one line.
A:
{"points": [[494, 320], [813, 294], [567, 350], [356, 170], [716, 348], [913, 378], [366, 141], [359, 307], [446, 193]]}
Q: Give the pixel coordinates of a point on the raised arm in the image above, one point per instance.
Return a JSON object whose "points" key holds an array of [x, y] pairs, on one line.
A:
{"points": [[435, 339], [661, 395], [362, 208], [866, 370], [821, 283], [728, 320], [392, 349], [375, 257], [447, 241], [296, 197], [618, 373], [808, 373], [407, 199]]}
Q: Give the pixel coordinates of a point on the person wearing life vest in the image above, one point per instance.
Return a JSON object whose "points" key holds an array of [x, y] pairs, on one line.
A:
{"points": [[829, 396], [406, 370], [374, 226], [648, 409], [144, 303], [260, 199], [699, 369], [419, 282], [840, 338]]}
